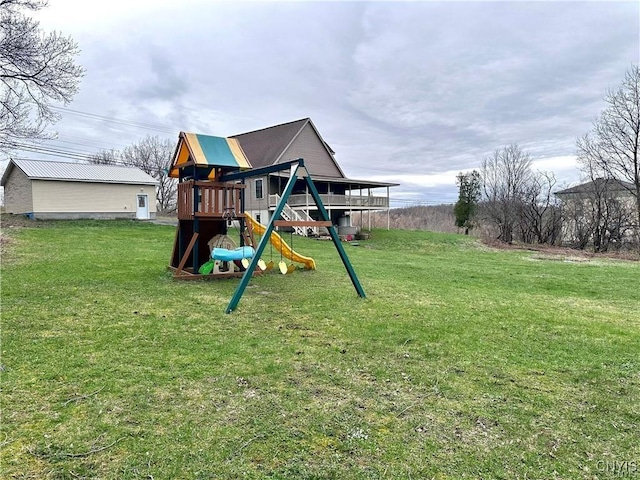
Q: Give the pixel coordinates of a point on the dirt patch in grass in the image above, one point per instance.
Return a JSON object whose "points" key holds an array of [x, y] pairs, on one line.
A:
{"points": [[551, 252], [9, 221], [5, 241]]}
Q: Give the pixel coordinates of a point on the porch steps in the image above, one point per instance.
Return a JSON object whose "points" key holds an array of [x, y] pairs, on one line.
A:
{"points": [[289, 213]]}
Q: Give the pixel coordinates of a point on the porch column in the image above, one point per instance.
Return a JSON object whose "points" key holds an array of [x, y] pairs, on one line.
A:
{"points": [[350, 209], [388, 210], [361, 209], [266, 216], [369, 203], [329, 200]]}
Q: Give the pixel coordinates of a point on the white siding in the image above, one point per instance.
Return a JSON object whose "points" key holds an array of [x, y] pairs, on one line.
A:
{"points": [[257, 206], [17, 193], [82, 197]]}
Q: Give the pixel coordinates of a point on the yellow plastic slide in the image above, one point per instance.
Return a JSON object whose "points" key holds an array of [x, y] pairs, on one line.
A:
{"points": [[282, 246]]}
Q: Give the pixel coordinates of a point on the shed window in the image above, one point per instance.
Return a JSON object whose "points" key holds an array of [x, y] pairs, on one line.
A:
{"points": [[259, 188]]}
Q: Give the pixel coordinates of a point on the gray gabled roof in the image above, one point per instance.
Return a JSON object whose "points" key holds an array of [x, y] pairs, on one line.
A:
{"points": [[263, 147], [266, 146], [78, 172], [598, 185]]}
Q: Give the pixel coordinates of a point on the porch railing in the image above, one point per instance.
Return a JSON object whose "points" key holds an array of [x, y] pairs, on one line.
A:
{"points": [[334, 200]]}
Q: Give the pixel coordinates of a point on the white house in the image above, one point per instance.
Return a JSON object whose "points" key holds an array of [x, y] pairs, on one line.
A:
{"points": [[601, 212], [59, 190]]}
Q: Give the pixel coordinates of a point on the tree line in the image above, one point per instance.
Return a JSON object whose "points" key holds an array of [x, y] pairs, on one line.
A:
{"points": [[603, 213], [38, 69]]}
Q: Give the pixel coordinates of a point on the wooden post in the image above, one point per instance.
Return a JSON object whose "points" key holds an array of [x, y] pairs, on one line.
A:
{"points": [[183, 260]]}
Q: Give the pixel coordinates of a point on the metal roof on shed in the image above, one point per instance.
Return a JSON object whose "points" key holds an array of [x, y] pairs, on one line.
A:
{"points": [[79, 172]]}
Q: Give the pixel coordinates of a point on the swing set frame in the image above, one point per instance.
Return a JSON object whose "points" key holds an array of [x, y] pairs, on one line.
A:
{"points": [[297, 170]]}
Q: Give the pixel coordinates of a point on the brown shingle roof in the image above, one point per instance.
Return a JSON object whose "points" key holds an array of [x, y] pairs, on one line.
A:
{"points": [[263, 147]]}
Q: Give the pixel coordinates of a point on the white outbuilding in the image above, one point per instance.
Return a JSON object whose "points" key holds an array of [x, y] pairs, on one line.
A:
{"points": [[43, 189]]}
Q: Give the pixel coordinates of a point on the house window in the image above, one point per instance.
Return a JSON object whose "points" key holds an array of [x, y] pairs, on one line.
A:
{"points": [[258, 219], [259, 188]]}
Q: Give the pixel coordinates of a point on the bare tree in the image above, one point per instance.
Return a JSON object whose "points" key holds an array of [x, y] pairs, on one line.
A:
{"points": [[539, 216], [596, 213], [577, 228], [505, 177], [613, 144], [605, 217], [36, 70], [106, 157], [153, 156]]}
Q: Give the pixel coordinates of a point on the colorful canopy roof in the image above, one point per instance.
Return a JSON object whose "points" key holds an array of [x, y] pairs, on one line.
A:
{"points": [[208, 151]]}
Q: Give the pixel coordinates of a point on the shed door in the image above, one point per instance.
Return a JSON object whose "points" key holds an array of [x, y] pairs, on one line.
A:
{"points": [[142, 212]]}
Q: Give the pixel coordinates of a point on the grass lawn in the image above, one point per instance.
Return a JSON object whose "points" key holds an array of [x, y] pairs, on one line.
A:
{"points": [[462, 362]]}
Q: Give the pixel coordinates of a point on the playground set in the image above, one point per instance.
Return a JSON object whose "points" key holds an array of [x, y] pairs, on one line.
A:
{"points": [[212, 173]]}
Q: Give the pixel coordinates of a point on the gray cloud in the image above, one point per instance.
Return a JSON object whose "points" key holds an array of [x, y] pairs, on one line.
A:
{"points": [[396, 88]]}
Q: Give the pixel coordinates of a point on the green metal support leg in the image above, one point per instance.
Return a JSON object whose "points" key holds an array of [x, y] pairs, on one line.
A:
{"points": [[335, 238], [237, 295], [267, 234]]}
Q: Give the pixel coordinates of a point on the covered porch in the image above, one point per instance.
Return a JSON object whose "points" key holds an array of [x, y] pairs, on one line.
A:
{"points": [[342, 197]]}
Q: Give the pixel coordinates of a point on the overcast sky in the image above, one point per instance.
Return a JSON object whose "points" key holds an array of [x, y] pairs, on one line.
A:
{"points": [[408, 92]]}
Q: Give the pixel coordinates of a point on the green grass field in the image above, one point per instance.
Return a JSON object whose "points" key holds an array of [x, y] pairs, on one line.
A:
{"points": [[462, 362]]}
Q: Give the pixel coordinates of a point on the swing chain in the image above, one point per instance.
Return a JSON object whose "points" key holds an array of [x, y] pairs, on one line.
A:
{"points": [[229, 214]]}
